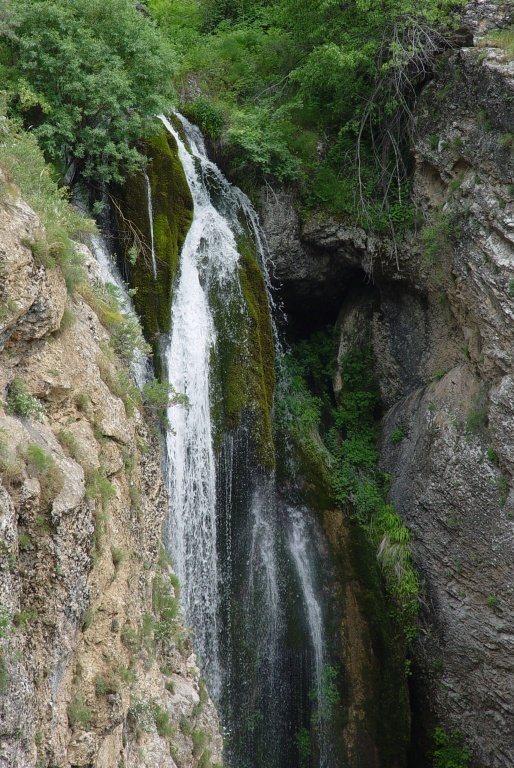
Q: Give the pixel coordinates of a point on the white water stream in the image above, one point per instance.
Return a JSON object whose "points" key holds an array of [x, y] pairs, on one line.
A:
{"points": [[150, 224], [209, 259], [110, 275]]}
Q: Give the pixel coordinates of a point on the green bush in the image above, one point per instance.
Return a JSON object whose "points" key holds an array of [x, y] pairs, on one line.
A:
{"points": [[98, 486], [23, 161], [39, 460], [70, 443], [291, 90], [21, 403], [396, 435], [78, 713], [158, 396], [449, 751], [162, 721]]}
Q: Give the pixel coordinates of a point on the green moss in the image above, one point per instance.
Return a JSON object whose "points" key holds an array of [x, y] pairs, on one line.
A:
{"points": [[243, 365], [261, 363], [172, 216]]}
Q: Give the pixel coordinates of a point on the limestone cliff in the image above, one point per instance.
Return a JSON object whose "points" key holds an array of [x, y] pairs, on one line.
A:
{"points": [[96, 668], [440, 311]]}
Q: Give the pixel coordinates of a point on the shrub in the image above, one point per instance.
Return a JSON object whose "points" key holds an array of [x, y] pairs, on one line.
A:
{"points": [[165, 603], [4, 674], [449, 751], [199, 738], [118, 556], [477, 416], [39, 460], [105, 686], [397, 435], [21, 403], [158, 396], [78, 713], [50, 476], [69, 442], [162, 722], [22, 159], [141, 714], [492, 601], [24, 540], [82, 401], [98, 486], [439, 237]]}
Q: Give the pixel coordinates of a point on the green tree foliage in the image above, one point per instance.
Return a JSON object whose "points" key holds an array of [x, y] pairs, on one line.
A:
{"points": [[88, 76], [314, 92]]}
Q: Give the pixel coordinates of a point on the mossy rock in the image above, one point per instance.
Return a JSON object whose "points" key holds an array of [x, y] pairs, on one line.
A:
{"points": [[172, 216], [243, 365]]}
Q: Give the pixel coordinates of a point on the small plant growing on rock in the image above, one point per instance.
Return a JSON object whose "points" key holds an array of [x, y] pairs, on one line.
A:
{"points": [[492, 601], [87, 619], [158, 396], [503, 488], [98, 486], [476, 419], [396, 435], [118, 556], [449, 751], [69, 443], [162, 722], [21, 403], [79, 715], [43, 466], [492, 456], [105, 686], [24, 540], [82, 401]]}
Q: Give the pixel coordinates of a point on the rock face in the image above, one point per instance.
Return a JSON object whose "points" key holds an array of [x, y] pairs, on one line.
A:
{"points": [[96, 668], [441, 324]]}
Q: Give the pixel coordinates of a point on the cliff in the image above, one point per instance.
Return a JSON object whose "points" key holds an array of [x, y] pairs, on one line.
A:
{"points": [[438, 308], [96, 668]]}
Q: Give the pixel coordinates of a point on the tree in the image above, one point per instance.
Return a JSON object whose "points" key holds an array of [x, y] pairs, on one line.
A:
{"points": [[88, 77]]}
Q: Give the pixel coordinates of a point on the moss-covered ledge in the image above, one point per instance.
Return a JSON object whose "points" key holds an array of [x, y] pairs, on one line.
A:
{"points": [[172, 216]]}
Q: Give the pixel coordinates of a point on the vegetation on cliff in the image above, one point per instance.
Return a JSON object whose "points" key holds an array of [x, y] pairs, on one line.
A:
{"points": [[172, 207], [336, 441], [88, 77], [318, 94]]}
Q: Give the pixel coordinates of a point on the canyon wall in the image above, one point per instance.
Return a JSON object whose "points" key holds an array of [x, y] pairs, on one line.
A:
{"points": [[96, 668]]}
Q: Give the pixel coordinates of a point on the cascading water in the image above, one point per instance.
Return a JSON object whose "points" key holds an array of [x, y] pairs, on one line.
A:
{"points": [[111, 277], [150, 225], [239, 553]]}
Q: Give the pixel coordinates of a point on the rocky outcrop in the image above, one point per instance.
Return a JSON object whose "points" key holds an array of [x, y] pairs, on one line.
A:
{"points": [[96, 668], [441, 323]]}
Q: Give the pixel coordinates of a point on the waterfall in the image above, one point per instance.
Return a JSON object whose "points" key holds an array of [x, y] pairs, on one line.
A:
{"points": [[239, 555], [150, 224], [301, 540], [110, 275], [209, 254]]}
